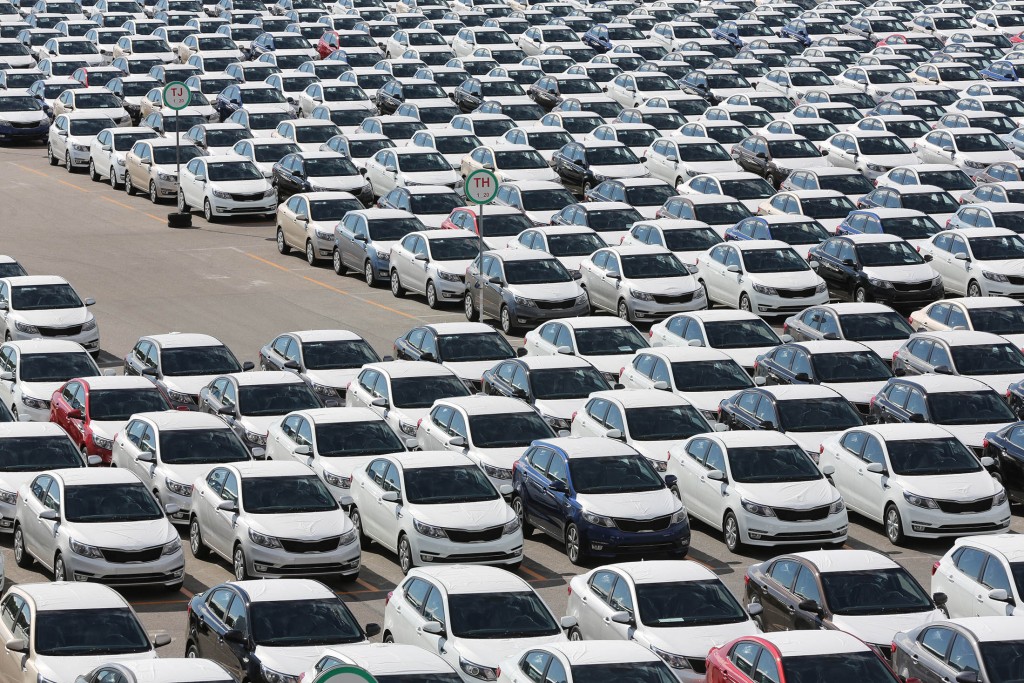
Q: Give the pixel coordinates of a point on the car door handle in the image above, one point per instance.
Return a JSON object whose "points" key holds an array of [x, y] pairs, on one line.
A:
{"points": [[583, 598]]}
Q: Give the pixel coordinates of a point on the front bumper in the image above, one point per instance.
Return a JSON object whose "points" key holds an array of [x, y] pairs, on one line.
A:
{"points": [[79, 158], [530, 314], [32, 132], [896, 297], [928, 523], [184, 505], [34, 414], [90, 339], [506, 550], [166, 570], [608, 542], [224, 207], [652, 310], [776, 305], [773, 531], [279, 563], [993, 288], [7, 512]]}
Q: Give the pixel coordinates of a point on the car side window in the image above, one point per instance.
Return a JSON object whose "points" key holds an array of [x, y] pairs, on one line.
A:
{"points": [[767, 670], [230, 490], [12, 604], [970, 561], [916, 403], [995, 577], [962, 656], [602, 583], [873, 451], [806, 587], [556, 672], [433, 607], [937, 640], [784, 572], [621, 598], [218, 602], [956, 319], [556, 470], [744, 654], [534, 664], [235, 617], [392, 482], [715, 459]]}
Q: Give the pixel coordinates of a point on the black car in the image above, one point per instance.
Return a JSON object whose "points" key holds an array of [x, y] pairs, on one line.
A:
{"points": [[474, 91], [637, 192], [941, 400], [234, 97], [230, 622], [537, 379], [302, 353], [773, 157], [790, 410], [601, 219], [821, 363], [795, 593], [454, 345], [1015, 397], [297, 173], [971, 353], [855, 267], [574, 163], [550, 91], [395, 93]]}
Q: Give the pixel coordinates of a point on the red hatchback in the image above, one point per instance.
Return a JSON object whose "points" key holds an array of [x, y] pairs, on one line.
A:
{"points": [[328, 44], [92, 410], [798, 657]]}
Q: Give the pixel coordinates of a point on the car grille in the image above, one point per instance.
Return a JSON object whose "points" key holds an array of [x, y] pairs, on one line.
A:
{"points": [[1015, 279], [912, 286], [321, 546], [699, 666], [809, 515], [19, 124], [643, 525], [60, 331], [796, 293], [247, 197], [958, 507], [551, 305], [677, 299], [129, 556], [477, 536]]}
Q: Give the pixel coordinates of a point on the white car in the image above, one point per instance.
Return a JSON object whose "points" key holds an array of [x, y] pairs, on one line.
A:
{"points": [[272, 519], [916, 479], [972, 150], [30, 371], [749, 275], [605, 342], [64, 619], [107, 152], [405, 166], [334, 444], [227, 185], [491, 430], [386, 662], [309, 134], [508, 162], [94, 101], [978, 262], [71, 137], [583, 662], [741, 335], [677, 609], [171, 449], [979, 576], [481, 615], [570, 244], [32, 303], [876, 326], [328, 360], [25, 451], [162, 670], [265, 151], [435, 507], [872, 153], [402, 392], [984, 356], [997, 314], [95, 524], [758, 488], [306, 221], [677, 158], [685, 238], [433, 263]]}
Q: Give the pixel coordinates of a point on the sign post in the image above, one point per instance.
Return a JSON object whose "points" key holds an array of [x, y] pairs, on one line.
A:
{"points": [[176, 97], [481, 188], [345, 674]]}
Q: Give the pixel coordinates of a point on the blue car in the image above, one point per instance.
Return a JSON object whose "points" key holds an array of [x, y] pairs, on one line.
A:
{"points": [[907, 224], [1004, 70], [793, 229], [26, 117], [599, 497], [1006, 448], [363, 241], [597, 38]]}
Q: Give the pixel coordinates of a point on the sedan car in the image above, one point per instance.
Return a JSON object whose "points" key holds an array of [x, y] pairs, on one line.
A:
{"points": [[433, 263], [983, 647], [30, 371], [363, 241], [980, 576], [227, 185], [978, 262]]}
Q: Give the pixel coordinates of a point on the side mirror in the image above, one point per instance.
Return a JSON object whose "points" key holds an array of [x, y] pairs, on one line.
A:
{"points": [[7, 376], [828, 470], [760, 381], [767, 424], [565, 350], [303, 450], [814, 265], [661, 385], [568, 622], [716, 475], [94, 461], [754, 608], [761, 155], [89, 301], [720, 427], [961, 257], [947, 148], [390, 497], [17, 645], [694, 342], [495, 280], [172, 508], [228, 506], [802, 377], [733, 269], [148, 372], [987, 461], [968, 677], [614, 276], [505, 489], [420, 257], [917, 417], [810, 606], [428, 357], [521, 352], [359, 238], [145, 456], [876, 468], [576, 275], [248, 365], [49, 515], [622, 617], [613, 434], [1000, 595], [928, 258], [433, 628], [558, 486], [371, 629], [3, 306], [292, 365], [234, 636], [940, 599], [226, 410], [391, 168], [457, 441], [259, 453], [379, 402], [75, 415]]}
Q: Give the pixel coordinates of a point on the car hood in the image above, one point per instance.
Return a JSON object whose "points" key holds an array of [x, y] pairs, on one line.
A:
{"points": [[856, 392], [707, 400], [471, 369], [963, 487], [479, 515], [669, 286], [289, 660], [302, 525], [746, 356], [797, 164], [810, 441], [798, 495], [914, 273], [338, 379], [528, 174], [562, 407], [268, 107], [492, 651], [612, 363], [431, 177], [549, 291], [972, 435], [619, 171], [244, 186], [124, 535], [27, 117], [999, 382], [696, 641], [43, 390], [986, 157], [1010, 267], [260, 424], [344, 183], [713, 167], [890, 160], [185, 474], [639, 505], [191, 384], [880, 628], [61, 317], [68, 669], [106, 428], [499, 457], [792, 280]]}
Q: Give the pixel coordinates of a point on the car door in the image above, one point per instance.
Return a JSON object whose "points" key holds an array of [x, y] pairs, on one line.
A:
{"points": [[493, 285], [552, 503], [193, 182], [715, 273], [432, 432], [776, 598], [231, 653], [433, 611], [75, 416], [15, 624], [35, 503], [390, 512], [963, 579], [689, 484], [210, 627], [293, 228], [371, 488], [993, 577], [419, 272], [806, 587], [46, 548], [219, 527], [928, 660], [409, 609]]}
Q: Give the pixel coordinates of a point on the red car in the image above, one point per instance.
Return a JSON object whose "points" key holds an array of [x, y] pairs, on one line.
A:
{"points": [[798, 657], [501, 223], [92, 410], [328, 44]]}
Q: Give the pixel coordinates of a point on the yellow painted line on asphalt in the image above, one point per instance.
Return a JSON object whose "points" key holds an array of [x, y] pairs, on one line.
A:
{"points": [[45, 175], [531, 573], [366, 585], [331, 288]]}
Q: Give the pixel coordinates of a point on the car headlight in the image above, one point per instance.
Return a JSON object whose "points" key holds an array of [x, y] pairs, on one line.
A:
{"points": [[881, 284], [89, 324], [79, 148], [974, 164], [581, 299], [263, 540], [641, 296], [762, 289], [27, 329], [674, 661], [496, 472], [821, 288], [679, 516], [271, 676], [326, 236], [449, 277], [999, 499], [179, 397], [329, 392], [876, 168], [220, 194], [523, 301], [169, 177], [336, 481], [269, 192], [598, 520], [382, 255], [920, 501], [37, 403], [349, 537], [837, 506], [100, 442], [172, 547], [557, 422], [478, 671], [407, 427], [256, 439], [120, 161], [995, 277], [86, 550], [9, 497], [177, 487], [428, 530], [510, 526], [757, 509]]}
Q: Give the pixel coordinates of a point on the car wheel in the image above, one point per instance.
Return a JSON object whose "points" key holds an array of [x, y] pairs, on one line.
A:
{"points": [[339, 267], [310, 253], [21, 556], [745, 304], [93, 175], [405, 562], [860, 295], [507, 325], [432, 295], [623, 310], [368, 274], [49, 155], [469, 308], [154, 196], [282, 246], [519, 507], [974, 289], [574, 545], [129, 189], [113, 179], [675, 492], [679, 181], [238, 562], [587, 187], [191, 651], [731, 532], [357, 524], [575, 635], [388, 638], [396, 285], [60, 570], [894, 525], [182, 206], [195, 540], [208, 212]]}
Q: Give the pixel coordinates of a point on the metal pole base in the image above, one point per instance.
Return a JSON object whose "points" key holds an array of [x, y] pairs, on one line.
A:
{"points": [[179, 220]]}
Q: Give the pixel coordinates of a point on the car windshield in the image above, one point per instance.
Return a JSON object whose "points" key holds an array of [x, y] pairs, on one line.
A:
{"points": [[887, 144], [611, 156], [1002, 658], [771, 464], [748, 188], [651, 266], [906, 129], [721, 213], [121, 404], [875, 326], [506, 225], [818, 415], [421, 392], [929, 202], [875, 591], [198, 360], [493, 127], [987, 359], [999, 320], [423, 163], [562, 383], [459, 348], [125, 141], [343, 93], [686, 603], [773, 261], [14, 103], [105, 503], [38, 453], [979, 142], [324, 210], [316, 133], [324, 167], [614, 474], [535, 272], [55, 367], [612, 220], [926, 457], [337, 354], [577, 244], [665, 423], [548, 141], [275, 495], [508, 430], [89, 632], [267, 120], [87, 127], [846, 184], [290, 623], [447, 485], [393, 229], [518, 160], [345, 439], [703, 152], [712, 375], [883, 254], [1002, 248], [200, 446], [361, 149], [608, 341], [827, 207], [500, 616], [857, 366], [1011, 220], [909, 228], [401, 130], [259, 400], [261, 95], [968, 407], [454, 248], [97, 100], [793, 149], [229, 171], [740, 334], [165, 155], [848, 667], [13, 50], [691, 239], [803, 232]]}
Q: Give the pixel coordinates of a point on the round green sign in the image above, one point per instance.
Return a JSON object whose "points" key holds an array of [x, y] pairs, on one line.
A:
{"points": [[177, 95], [345, 674], [481, 186]]}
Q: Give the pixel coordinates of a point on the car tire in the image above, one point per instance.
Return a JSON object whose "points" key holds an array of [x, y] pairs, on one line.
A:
{"points": [[622, 310], [49, 155], [505, 317], [974, 289], [587, 187], [93, 175], [893, 525], [469, 307], [574, 634], [113, 180], [195, 540], [129, 189], [154, 196], [310, 253], [405, 560], [368, 277], [519, 507], [432, 301], [731, 532], [60, 570], [21, 556], [396, 285], [183, 207], [282, 246], [357, 523], [239, 566], [208, 212], [679, 181], [574, 549], [191, 651], [675, 492], [388, 639], [339, 267], [745, 304], [860, 295]]}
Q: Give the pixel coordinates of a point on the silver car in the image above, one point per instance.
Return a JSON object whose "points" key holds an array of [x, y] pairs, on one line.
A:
{"points": [[433, 263]]}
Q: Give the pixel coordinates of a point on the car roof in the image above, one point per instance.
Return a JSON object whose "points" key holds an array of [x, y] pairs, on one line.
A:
{"points": [[855, 308], [685, 354], [421, 459], [592, 322], [479, 404], [991, 629], [964, 337], [269, 468], [588, 446], [746, 438], [847, 560], [641, 398], [409, 368], [30, 346], [945, 383], [461, 328], [29, 429], [173, 669], [89, 476], [325, 335], [581, 653], [117, 382], [173, 420], [389, 659], [878, 238], [907, 431], [64, 595], [458, 579], [800, 643], [262, 590], [178, 340], [983, 302], [830, 346], [661, 571], [556, 361]]}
